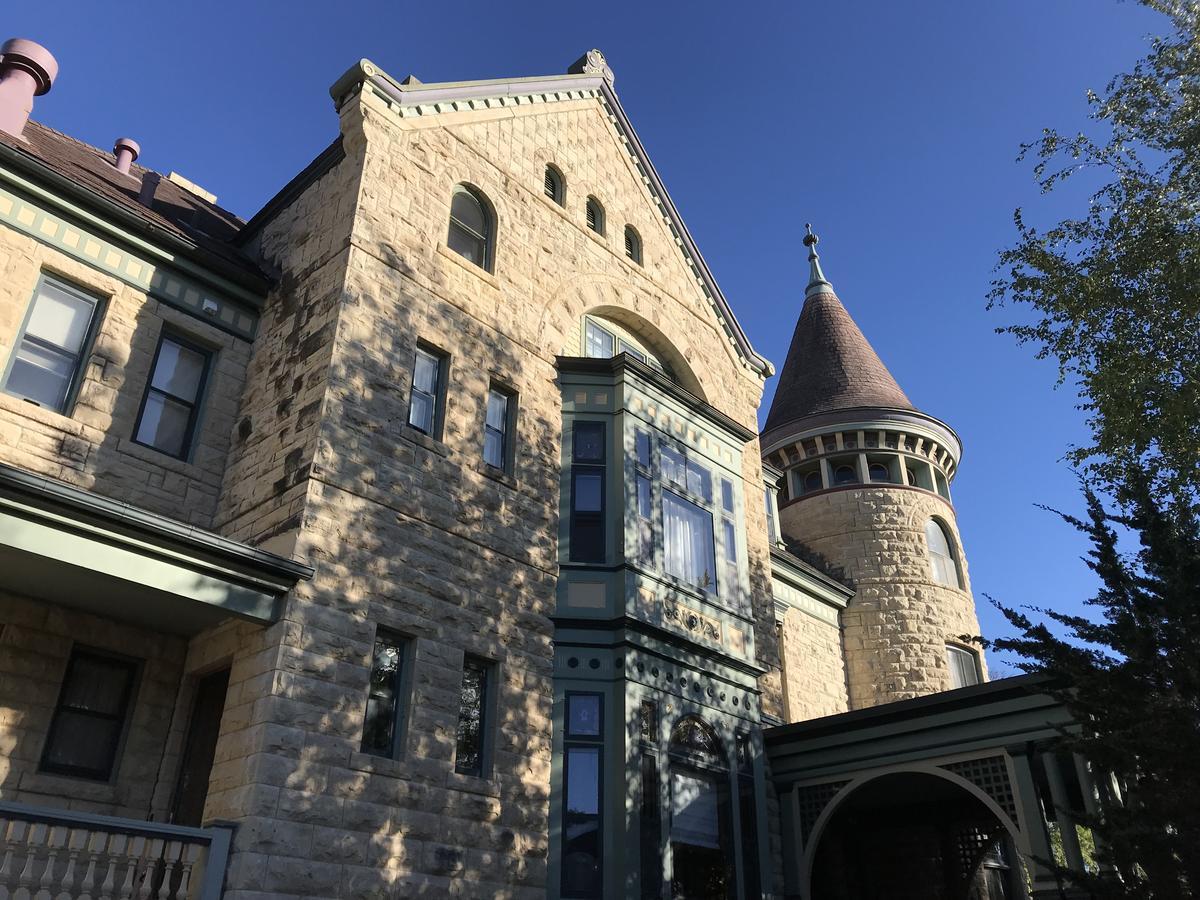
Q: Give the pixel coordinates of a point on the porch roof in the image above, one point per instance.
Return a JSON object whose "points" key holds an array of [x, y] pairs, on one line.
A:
{"points": [[70, 546]]}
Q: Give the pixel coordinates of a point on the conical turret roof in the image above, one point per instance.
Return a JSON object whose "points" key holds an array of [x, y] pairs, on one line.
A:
{"points": [[830, 365]]}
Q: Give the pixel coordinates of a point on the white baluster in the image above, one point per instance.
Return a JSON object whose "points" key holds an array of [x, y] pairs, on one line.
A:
{"points": [[6, 865], [153, 852], [191, 852], [34, 838], [75, 842], [95, 842], [55, 839], [114, 850], [133, 848]]}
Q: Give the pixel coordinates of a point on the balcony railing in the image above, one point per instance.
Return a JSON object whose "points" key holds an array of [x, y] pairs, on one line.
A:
{"points": [[48, 853]]}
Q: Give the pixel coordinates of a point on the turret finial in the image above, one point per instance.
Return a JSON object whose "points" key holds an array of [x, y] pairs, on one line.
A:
{"points": [[816, 278]]}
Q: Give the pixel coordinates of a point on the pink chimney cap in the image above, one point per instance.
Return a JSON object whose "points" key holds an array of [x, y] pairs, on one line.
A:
{"points": [[127, 144], [33, 58]]}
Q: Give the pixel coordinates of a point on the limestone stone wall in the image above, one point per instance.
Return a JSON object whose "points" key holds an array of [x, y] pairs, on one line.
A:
{"points": [[898, 623], [92, 447], [36, 640], [814, 667], [412, 532]]}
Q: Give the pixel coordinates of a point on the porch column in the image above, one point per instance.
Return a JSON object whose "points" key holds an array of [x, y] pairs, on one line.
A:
{"points": [[1045, 883], [1062, 813]]}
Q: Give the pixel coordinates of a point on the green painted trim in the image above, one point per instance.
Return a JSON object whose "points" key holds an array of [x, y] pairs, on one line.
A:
{"points": [[162, 283]]}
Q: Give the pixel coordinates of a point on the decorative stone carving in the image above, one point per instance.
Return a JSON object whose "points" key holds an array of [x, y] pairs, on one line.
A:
{"points": [[592, 63], [690, 620]]}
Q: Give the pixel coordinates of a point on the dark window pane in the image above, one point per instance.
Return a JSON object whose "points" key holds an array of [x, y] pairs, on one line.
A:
{"points": [[164, 424], [643, 449], [750, 865], [589, 491], [812, 481], [650, 824], [467, 211], [643, 496], [879, 472], [845, 475], [625, 347], [467, 245], [472, 715], [97, 685], [589, 442], [89, 717], [179, 370], [83, 742], [581, 874], [649, 720], [583, 715], [382, 721], [727, 495]]}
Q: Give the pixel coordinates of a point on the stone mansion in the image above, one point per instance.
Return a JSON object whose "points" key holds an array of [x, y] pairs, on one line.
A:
{"points": [[417, 538]]}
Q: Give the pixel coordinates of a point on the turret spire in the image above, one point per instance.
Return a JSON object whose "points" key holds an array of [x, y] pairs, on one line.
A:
{"points": [[816, 278]]}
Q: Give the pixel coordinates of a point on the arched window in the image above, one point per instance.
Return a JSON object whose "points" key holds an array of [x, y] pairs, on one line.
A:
{"points": [[879, 472], [910, 476], [471, 230], [692, 734], [595, 215], [812, 481], [555, 186], [845, 475], [941, 555], [964, 666], [633, 244]]}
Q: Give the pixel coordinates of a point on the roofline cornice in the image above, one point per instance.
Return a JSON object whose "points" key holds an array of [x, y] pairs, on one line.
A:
{"points": [[511, 91], [865, 417]]}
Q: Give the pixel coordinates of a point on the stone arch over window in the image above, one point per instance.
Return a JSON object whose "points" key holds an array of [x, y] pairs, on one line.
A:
{"points": [[655, 342], [943, 558], [472, 230]]}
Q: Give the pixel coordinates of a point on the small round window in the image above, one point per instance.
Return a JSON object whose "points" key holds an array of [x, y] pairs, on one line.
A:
{"points": [[879, 472], [845, 475]]}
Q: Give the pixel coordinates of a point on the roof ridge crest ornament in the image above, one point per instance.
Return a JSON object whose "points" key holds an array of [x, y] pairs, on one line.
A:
{"points": [[817, 283], [592, 63]]}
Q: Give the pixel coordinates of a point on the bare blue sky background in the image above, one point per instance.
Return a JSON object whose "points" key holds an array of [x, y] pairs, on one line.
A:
{"points": [[892, 127]]}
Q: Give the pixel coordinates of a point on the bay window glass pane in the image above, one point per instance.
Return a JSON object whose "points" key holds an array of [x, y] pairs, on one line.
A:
{"points": [[598, 343], [164, 424], [583, 715], [178, 371], [643, 449], [632, 351], [41, 375], [727, 495], [694, 816], [589, 491], [674, 466], [699, 481], [581, 825], [60, 318], [688, 542], [730, 542], [589, 442], [643, 497]]}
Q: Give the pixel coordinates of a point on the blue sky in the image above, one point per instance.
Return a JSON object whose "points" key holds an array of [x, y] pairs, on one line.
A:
{"points": [[893, 127]]}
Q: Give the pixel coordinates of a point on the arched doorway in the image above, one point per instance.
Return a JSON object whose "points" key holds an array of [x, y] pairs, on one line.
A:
{"points": [[914, 836]]}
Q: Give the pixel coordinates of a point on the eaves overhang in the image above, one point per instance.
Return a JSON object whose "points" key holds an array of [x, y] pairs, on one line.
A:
{"points": [[862, 417], [806, 577], [30, 175], [415, 98], [70, 546]]}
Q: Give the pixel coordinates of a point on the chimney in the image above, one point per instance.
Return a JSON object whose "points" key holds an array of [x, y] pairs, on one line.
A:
{"points": [[26, 71], [126, 150]]}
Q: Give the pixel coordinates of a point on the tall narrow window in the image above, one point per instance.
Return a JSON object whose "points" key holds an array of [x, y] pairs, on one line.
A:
{"points": [[728, 526], [553, 185], [594, 213], [633, 244], [471, 743], [650, 825], [48, 360], [964, 666], [171, 404], [941, 556], [582, 797], [587, 492], [497, 428], [383, 725], [688, 547], [428, 387], [471, 229], [772, 523], [89, 718]]}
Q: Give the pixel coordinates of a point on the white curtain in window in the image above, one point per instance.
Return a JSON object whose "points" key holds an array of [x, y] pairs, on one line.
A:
{"points": [[941, 558], [688, 541]]}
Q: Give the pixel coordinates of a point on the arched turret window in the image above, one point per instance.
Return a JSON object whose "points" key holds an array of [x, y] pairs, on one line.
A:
{"points": [[633, 244], [472, 227], [942, 560], [845, 474], [595, 215]]}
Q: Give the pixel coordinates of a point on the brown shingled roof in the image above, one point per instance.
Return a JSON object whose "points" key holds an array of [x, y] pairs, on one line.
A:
{"points": [[173, 208], [831, 366]]}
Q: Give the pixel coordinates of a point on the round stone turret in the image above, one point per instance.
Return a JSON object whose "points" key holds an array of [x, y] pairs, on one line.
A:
{"points": [[866, 491]]}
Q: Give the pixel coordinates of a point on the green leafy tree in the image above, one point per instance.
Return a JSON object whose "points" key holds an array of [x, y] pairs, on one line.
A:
{"points": [[1131, 677], [1116, 292]]}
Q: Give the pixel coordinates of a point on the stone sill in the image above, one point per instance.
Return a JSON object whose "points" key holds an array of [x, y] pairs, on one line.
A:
{"points": [[421, 439], [69, 787], [486, 787], [482, 274], [498, 475]]}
